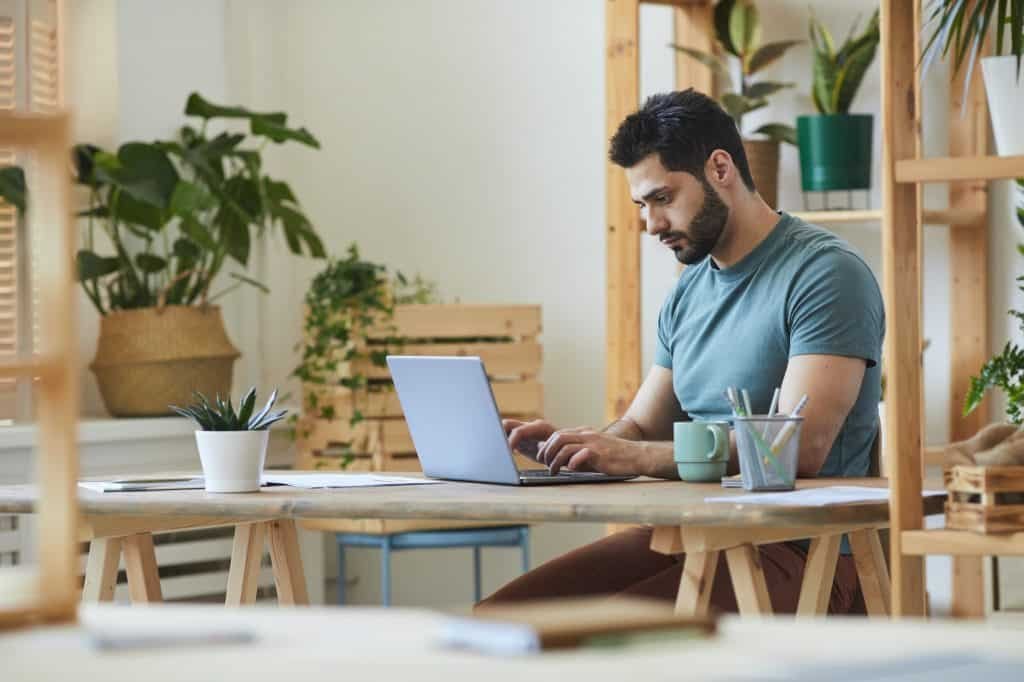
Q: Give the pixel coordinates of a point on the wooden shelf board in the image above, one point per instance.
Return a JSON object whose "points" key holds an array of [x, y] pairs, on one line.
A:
{"points": [[934, 217], [951, 168], [27, 368], [961, 543], [30, 129]]}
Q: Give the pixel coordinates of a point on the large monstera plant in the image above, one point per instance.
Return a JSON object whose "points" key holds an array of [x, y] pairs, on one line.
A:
{"points": [[165, 218], [738, 33]]}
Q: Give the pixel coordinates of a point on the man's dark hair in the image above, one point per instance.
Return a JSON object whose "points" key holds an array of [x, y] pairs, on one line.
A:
{"points": [[683, 128]]}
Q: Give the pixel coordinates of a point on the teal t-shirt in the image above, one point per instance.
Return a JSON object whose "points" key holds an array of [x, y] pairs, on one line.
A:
{"points": [[801, 291]]}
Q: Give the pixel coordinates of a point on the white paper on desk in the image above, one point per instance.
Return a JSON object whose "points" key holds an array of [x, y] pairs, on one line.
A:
{"points": [[816, 497], [343, 480]]}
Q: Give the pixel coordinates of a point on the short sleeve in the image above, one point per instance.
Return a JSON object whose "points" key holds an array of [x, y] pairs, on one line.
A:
{"points": [[663, 346], [835, 308]]}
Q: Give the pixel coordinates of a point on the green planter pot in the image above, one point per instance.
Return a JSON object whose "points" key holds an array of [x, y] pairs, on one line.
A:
{"points": [[835, 151]]}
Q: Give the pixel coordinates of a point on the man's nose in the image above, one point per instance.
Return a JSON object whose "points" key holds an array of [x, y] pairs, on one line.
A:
{"points": [[656, 222]]}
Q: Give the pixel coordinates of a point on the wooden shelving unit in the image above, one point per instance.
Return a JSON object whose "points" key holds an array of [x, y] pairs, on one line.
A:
{"points": [[902, 219]]}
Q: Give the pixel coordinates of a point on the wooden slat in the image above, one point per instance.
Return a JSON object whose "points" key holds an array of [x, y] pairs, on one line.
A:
{"points": [[623, 228], [141, 569], [962, 543], [901, 259], [441, 321], [748, 580], [287, 562], [969, 594], [101, 571], [246, 552], [947, 169], [501, 360], [513, 398], [819, 573], [696, 583], [694, 28], [968, 248], [872, 572]]}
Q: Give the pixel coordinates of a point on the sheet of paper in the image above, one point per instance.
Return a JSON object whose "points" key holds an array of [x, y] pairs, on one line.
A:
{"points": [[124, 485], [364, 480], [816, 497]]}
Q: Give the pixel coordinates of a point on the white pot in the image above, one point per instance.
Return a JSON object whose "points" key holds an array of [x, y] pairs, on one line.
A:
{"points": [[1005, 102], [232, 460]]}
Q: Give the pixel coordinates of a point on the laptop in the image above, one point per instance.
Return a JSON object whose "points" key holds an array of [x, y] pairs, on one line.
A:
{"points": [[456, 427]]}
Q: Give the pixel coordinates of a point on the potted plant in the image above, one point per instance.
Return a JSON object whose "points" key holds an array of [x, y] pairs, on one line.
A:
{"points": [[232, 446], [164, 220], [346, 300], [835, 145], [963, 27], [738, 32]]}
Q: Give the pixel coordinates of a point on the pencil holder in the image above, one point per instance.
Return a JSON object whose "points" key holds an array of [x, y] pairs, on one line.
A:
{"points": [[768, 449]]}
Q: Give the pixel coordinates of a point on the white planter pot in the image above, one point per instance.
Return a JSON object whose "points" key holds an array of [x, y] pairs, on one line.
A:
{"points": [[232, 460], [1005, 102]]}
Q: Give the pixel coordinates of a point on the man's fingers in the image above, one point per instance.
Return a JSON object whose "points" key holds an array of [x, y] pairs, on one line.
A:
{"points": [[554, 444], [582, 460], [509, 424], [527, 436], [563, 455]]}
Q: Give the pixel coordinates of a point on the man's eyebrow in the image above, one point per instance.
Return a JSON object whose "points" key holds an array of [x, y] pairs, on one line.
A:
{"points": [[651, 194]]}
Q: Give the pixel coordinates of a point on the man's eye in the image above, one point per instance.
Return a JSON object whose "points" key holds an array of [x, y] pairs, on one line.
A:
{"points": [[661, 198]]}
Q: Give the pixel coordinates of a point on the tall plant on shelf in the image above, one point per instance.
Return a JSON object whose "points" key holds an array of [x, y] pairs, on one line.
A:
{"points": [[835, 146], [961, 29], [738, 33], [164, 221]]}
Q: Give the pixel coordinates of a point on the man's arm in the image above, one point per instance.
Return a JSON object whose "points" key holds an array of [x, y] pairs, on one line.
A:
{"points": [[832, 384]]}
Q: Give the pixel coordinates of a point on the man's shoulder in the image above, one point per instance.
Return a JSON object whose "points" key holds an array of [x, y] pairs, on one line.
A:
{"points": [[810, 249]]}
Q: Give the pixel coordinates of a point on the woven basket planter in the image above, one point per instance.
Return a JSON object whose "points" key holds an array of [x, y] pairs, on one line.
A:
{"points": [[149, 358], [763, 159]]}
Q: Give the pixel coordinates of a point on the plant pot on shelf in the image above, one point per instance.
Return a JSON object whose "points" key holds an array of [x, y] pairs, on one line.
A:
{"points": [[232, 460], [835, 151], [763, 159], [150, 358], [1005, 95]]}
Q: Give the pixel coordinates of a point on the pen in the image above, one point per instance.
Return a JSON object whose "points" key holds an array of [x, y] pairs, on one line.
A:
{"points": [[787, 431]]}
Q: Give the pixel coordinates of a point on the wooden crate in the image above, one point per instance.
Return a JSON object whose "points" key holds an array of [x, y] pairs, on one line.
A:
{"points": [[504, 337], [985, 499]]}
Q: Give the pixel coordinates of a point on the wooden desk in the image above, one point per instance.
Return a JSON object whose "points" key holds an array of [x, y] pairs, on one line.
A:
{"points": [[371, 643], [684, 522]]}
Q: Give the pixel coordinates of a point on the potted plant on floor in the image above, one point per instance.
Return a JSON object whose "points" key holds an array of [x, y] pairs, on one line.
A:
{"points": [[164, 220], [964, 28], [738, 32], [232, 446], [835, 145]]}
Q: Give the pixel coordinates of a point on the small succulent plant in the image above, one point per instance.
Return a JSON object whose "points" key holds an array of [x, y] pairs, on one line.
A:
{"points": [[220, 415]]}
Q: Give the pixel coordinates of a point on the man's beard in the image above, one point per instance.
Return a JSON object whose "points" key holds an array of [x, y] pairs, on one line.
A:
{"points": [[705, 229]]}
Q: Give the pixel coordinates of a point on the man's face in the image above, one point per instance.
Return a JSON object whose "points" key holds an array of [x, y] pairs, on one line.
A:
{"points": [[685, 213]]}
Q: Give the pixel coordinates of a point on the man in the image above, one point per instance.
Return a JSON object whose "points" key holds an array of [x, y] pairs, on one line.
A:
{"points": [[766, 301]]}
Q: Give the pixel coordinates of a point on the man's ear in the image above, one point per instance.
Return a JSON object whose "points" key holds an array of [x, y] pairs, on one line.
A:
{"points": [[719, 167]]}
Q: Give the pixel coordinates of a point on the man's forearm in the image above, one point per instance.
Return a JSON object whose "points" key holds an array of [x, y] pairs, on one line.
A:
{"points": [[624, 428]]}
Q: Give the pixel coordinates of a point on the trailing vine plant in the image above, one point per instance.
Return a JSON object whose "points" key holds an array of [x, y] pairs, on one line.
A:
{"points": [[345, 301]]}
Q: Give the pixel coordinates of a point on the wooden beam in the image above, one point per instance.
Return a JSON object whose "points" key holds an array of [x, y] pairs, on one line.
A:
{"points": [[968, 248], [694, 27], [819, 574], [141, 569], [901, 262], [622, 64], [950, 168]]}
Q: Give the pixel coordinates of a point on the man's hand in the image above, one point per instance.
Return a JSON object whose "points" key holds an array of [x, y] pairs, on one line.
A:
{"points": [[527, 437], [585, 449]]}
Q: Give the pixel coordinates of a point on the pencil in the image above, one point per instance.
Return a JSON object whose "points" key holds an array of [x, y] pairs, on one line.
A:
{"points": [[746, 403], [787, 431]]}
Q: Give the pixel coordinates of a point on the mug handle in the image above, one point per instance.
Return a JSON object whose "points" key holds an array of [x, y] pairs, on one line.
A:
{"points": [[715, 433]]}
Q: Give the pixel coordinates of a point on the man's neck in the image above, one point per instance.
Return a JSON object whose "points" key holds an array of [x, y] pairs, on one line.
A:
{"points": [[750, 222]]}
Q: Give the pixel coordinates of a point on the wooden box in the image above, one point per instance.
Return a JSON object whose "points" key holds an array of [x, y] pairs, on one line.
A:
{"points": [[503, 336], [985, 499]]}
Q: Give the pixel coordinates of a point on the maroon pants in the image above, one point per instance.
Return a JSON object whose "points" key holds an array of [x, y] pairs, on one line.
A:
{"points": [[625, 564]]}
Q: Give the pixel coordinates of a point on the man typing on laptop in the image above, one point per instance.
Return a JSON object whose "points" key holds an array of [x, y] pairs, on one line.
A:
{"points": [[766, 300]]}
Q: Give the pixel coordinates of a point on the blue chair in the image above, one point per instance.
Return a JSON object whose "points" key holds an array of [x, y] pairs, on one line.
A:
{"points": [[498, 536]]}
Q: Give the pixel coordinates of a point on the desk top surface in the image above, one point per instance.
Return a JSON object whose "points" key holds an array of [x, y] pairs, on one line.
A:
{"points": [[641, 500], [316, 643]]}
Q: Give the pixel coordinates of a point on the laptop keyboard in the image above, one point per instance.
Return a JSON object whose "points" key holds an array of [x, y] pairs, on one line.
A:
{"points": [[545, 473]]}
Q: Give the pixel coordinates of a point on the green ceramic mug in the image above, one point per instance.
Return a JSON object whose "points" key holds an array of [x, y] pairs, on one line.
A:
{"points": [[701, 450]]}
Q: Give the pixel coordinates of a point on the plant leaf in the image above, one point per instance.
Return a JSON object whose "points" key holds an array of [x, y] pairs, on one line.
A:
{"points": [[245, 406], [278, 132], [778, 132], [745, 30], [248, 280], [12, 186], [737, 105], [196, 105], [850, 76], [723, 10], [763, 89], [714, 63], [150, 263], [91, 266], [189, 198], [769, 53], [142, 170], [265, 410]]}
